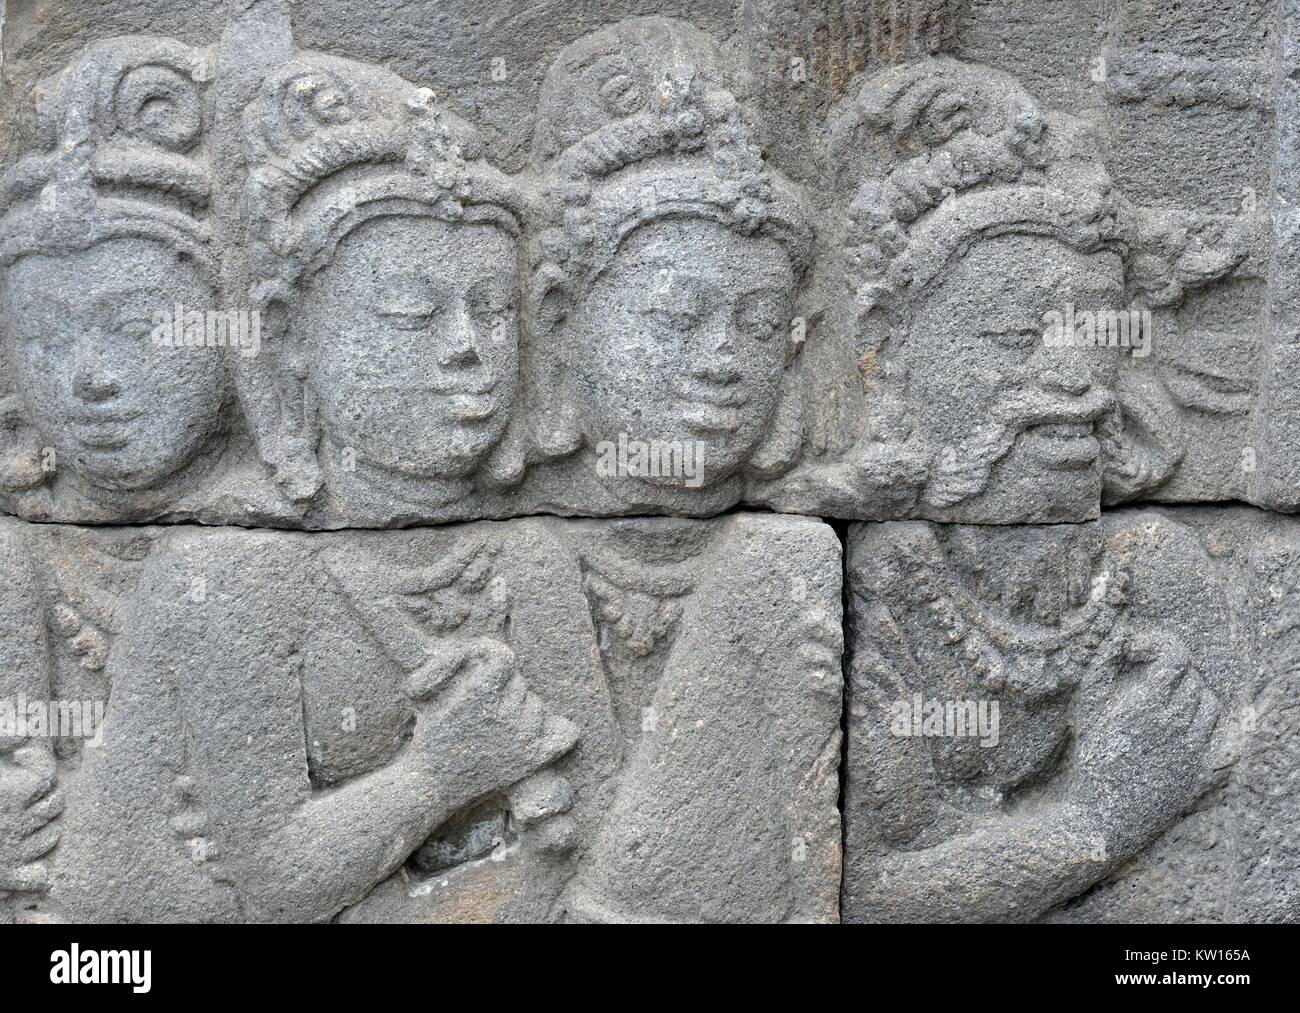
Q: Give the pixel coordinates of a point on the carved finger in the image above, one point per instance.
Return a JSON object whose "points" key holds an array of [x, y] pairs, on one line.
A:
{"points": [[25, 879], [429, 678], [41, 843], [559, 735], [46, 809], [494, 664]]}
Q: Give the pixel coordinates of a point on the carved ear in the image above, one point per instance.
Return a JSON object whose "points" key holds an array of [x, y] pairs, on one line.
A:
{"points": [[779, 452], [882, 372], [508, 462], [549, 299], [555, 431], [280, 412], [20, 451]]}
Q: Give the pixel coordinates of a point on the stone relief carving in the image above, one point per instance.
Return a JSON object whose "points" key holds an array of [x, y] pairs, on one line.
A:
{"points": [[866, 262], [972, 220], [267, 700], [636, 321], [1109, 688], [120, 197]]}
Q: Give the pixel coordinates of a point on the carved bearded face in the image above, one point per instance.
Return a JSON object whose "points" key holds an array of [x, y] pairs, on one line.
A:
{"points": [[412, 343], [685, 338], [117, 409], [976, 354]]}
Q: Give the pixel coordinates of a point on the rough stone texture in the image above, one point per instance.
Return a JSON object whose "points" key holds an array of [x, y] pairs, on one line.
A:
{"points": [[1144, 763], [971, 274], [523, 721], [814, 247]]}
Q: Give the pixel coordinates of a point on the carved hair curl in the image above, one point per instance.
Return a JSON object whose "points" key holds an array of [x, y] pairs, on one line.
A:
{"points": [[124, 135], [334, 143]]}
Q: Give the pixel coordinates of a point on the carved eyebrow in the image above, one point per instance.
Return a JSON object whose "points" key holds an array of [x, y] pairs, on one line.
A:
{"points": [[107, 300], [674, 280], [132, 289], [763, 292]]}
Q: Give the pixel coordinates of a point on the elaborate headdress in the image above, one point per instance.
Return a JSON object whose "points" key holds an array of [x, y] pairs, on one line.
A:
{"points": [[636, 124], [125, 154], [333, 143]]}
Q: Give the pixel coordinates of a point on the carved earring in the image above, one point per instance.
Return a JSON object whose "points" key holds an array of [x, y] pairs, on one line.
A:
{"points": [[279, 409], [556, 431], [22, 463], [779, 451]]}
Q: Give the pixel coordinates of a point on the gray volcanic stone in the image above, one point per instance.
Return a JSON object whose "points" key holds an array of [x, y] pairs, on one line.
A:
{"points": [[383, 387], [1088, 722], [523, 721], [383, 265]]}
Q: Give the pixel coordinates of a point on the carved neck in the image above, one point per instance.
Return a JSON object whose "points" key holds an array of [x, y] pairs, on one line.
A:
{"points": [[166, 495]]}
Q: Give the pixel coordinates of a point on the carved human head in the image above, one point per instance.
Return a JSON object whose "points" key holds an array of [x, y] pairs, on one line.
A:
{"points": [[386, 256], [666, 283], [971, 220], [104, 233]]}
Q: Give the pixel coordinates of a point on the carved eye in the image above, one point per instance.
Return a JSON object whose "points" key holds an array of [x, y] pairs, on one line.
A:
{"points": [[135, 327], [673, 307], [1023, 340], [408, 320], [411, 307], [671, 320], [759, 317], [491, 301], [57, 339]]}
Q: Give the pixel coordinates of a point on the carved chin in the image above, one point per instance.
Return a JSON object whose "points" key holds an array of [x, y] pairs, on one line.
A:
{"points": [[122, 468], [459, 451]]}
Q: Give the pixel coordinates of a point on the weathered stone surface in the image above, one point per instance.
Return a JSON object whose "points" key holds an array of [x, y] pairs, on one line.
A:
{"points": [[810, 256], [277, 279], [1088, 722], [523, 721]]}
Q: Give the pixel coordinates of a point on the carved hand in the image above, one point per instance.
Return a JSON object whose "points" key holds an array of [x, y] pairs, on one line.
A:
{"points": [[1143, 743], [484, 729], [29, 806]]}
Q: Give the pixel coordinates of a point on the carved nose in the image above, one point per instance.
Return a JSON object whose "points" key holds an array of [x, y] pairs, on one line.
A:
{"points": [[92, 382], [461, 351], [719, 364], [460, 358]]}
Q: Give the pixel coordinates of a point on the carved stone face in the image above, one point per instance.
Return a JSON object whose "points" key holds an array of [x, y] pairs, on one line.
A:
{"points": [[119, 410], [412, 343], [685, 338], [976, 354]]}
